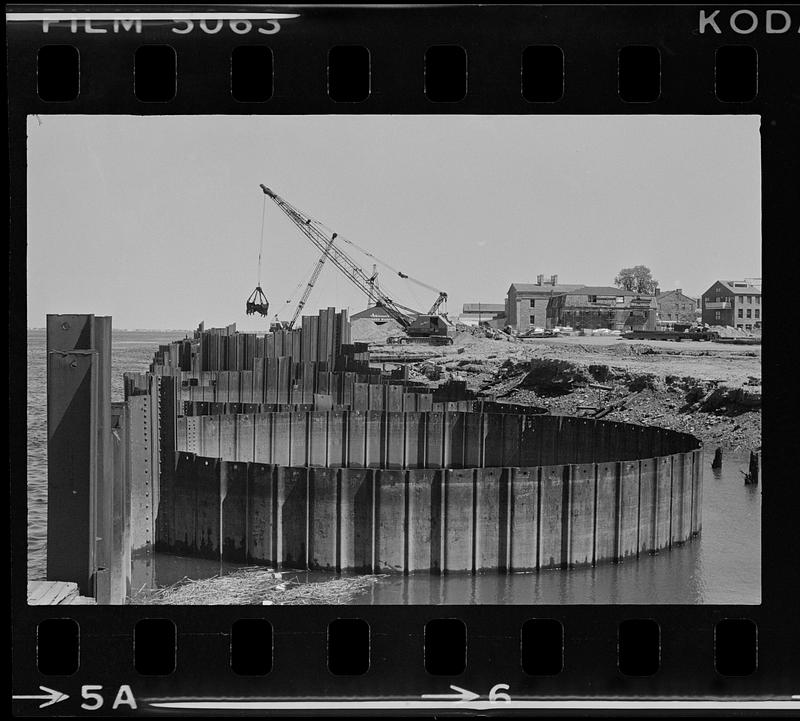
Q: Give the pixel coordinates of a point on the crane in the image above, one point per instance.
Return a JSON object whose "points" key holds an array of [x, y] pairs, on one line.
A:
{"points": [[415, 324], [309, 286]]}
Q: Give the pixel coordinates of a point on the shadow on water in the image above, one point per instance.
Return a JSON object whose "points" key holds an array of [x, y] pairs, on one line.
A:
{"points": [[722, 565]]}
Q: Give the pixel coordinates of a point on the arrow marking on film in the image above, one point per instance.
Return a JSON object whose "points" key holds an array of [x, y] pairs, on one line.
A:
{"points": [[461, 695], [50, 697]]}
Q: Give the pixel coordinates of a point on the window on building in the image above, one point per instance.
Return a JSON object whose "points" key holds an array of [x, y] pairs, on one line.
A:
{"points": [[533, 302], [620, 299], [748, 327], [749, 313], [717, 299], [532, 320], [593, 299], [758, 300], [749, 298], [758, 313], [740, 326], [717, 315], [740, 313]]}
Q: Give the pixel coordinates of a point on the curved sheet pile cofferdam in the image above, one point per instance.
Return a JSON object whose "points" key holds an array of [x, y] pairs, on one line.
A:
{"points": [[426, 491]]}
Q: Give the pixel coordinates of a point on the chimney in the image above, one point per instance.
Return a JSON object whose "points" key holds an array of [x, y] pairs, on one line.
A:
{"points": [[539, 279], [553, 280], [679, 291]]}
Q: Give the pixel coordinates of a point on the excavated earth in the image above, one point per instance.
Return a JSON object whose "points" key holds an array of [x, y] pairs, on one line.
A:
{"points": [[710, 390]]}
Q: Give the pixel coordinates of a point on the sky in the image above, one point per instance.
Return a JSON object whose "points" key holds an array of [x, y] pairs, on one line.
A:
{"points": [[157, 221]]}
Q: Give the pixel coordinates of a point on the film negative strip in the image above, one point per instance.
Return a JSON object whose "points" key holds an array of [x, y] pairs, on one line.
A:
{"points": [[337, 495]]}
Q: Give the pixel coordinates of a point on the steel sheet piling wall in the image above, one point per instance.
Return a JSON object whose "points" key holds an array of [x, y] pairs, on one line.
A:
{"points": [[337, 435], [208, 507], [281, 438], [245, 438], [121, 512], [375, 452], [183, 536], [356, 512], [382, 491], [323, 518], [291, 517], [141, 439], [681, 498], [663, 502], [581, 515], [607, 511], [648, 504], [74, 465], [491, 519], [260, 514], [697, 491], [458, 520], [234, 511], [192, 434], [414, 439], [394, 455], [523, 519], [628, 510], [552, 544], [390, 539], [424, 525]]}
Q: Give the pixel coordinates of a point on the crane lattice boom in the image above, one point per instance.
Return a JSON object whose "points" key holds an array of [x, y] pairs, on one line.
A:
{"points": [[310, 228]]}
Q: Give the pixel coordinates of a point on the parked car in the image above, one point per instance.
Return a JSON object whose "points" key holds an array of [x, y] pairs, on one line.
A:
{"points": [[600, 331]]}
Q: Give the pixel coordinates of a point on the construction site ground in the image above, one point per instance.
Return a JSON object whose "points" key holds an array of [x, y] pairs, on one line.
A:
{"points": [[710, 390]]}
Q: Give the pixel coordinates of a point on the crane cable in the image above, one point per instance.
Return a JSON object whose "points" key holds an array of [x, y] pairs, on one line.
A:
{"points": [[261, 239], [402, 275]]}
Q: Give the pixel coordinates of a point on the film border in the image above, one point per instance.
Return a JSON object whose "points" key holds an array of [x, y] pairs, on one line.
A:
{"points": [[493, 38]]}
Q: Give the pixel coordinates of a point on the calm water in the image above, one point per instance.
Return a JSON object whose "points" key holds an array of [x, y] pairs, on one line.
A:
{"points": [[722, 566], [131, 351]]}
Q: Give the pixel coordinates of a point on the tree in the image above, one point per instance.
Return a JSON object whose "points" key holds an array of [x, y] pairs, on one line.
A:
{"points": [[638, 279]]}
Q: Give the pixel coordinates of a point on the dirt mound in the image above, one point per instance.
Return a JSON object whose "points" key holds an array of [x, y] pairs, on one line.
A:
{"points": [[366, 331], [643, 381], [553, 377], [731, 401]]}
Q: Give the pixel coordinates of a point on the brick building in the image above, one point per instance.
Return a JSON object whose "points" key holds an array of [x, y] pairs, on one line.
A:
{"points": [[603, 307], [733, 302], [526, 303], [673, 305]]}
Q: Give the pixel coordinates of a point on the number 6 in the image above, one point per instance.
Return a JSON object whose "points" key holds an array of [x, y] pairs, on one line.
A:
{"points": [[496, 694]]}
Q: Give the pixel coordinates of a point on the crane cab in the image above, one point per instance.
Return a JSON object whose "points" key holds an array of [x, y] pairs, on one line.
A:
{"points": [[426, 328]]}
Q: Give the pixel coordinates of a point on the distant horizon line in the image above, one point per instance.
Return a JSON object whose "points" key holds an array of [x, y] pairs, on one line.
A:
{"points": [[135, 330]]}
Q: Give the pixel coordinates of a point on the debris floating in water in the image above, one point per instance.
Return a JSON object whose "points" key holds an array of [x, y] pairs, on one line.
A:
{"points": [[258, 586]]}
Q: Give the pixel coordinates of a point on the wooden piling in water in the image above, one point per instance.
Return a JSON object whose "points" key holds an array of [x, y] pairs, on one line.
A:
{"points": [[751, 477]]}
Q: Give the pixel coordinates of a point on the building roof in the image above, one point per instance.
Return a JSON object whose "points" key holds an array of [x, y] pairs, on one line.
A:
{"points": [[605, 290], [678, 291], [374, 312], [737, 287], [484, 308], [544, 289]]}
